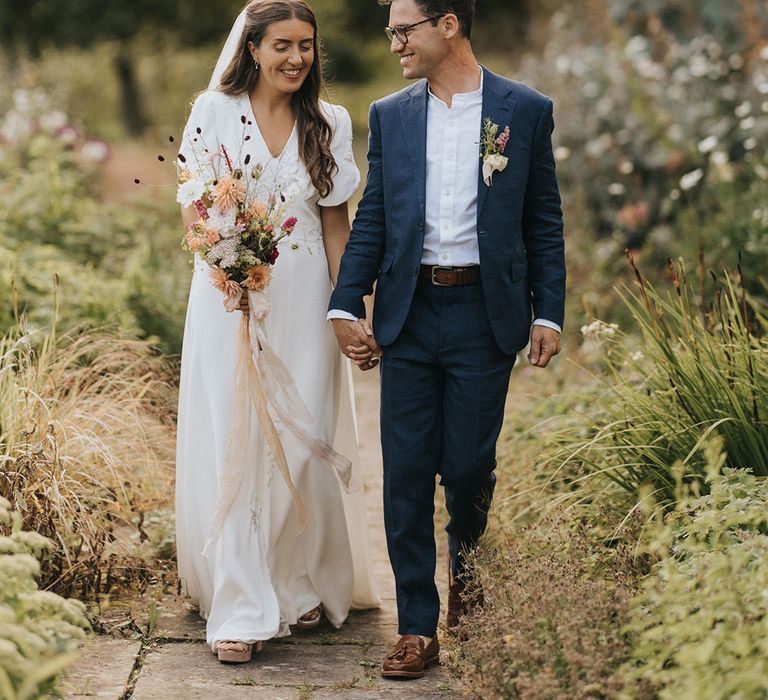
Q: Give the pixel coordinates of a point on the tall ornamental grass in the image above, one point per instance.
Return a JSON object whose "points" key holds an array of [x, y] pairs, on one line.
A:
{"points": [[699, 370], [86, 445], [38, 629]]}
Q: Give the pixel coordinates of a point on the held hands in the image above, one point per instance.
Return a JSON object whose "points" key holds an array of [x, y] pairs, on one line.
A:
{"points": [[545, 344], [356, 341]]}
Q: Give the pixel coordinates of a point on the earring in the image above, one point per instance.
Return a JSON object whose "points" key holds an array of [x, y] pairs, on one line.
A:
{"points": [[256, 64]]}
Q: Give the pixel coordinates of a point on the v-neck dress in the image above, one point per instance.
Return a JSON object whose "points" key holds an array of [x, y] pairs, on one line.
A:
{"points": [[262, 575]]}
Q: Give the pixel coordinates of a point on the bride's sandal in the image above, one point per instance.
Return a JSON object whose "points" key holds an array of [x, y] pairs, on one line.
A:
{"points": [[311, 619], [233, 652]]}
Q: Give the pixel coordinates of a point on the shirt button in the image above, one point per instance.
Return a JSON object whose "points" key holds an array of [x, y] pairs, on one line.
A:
{"points": [[445, 257]]}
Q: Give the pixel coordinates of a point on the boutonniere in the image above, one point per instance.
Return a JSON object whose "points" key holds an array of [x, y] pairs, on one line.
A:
{"points": [[492, 147]]}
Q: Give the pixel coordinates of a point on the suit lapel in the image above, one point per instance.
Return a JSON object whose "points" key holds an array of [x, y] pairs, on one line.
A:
{"points": [[499, 107], [413, 118]]}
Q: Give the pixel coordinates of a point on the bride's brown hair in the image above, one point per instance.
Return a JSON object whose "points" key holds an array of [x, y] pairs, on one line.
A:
{"points": [[241, 76]]}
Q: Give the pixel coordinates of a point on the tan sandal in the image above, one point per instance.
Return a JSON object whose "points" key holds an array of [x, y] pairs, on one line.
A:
{"points": [[234, 652], [310, 619]]}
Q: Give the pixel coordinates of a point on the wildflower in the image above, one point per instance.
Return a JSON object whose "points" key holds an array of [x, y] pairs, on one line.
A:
{"points": [[691, 179], [258, 278], [616, 189], [599, 329], [708, 144], [289, 224]]}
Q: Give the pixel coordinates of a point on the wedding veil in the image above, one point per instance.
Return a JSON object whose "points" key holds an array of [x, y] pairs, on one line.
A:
{"points": [[231, 47]]}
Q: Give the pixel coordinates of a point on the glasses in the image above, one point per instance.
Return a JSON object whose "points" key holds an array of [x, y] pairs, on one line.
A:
{"points": [[403, 31]]}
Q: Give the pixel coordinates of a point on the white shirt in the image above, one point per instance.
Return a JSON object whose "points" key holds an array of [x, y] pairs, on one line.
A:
{"points": [[453, 171]]}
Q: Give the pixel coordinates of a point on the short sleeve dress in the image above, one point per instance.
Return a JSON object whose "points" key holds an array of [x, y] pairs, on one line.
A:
{"points": [[263, 575]]}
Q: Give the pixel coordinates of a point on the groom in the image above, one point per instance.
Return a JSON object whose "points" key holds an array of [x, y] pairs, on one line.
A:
{"points": [[463, 264]]}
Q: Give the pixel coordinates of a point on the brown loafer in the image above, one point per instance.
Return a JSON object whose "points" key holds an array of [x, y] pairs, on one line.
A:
{"points": [[409, 658]]}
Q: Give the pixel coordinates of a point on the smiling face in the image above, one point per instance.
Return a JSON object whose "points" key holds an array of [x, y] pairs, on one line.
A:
{"points": [[426, 48], [285, 55]]}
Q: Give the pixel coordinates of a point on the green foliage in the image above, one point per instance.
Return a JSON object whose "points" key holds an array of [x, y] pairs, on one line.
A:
{"points": [[38, 629], [700, 624], [107, 258], [699, 370]]}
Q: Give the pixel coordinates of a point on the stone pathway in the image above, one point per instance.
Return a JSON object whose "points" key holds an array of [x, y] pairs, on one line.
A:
{"points": [[169, 660]]}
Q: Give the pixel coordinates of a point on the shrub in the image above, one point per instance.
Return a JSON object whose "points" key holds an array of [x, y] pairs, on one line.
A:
{"points": [[38, 629], [700, 624], [555, 603]]}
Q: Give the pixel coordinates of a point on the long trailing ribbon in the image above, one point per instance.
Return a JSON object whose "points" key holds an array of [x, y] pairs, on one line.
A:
{"points": [[263, 382]]}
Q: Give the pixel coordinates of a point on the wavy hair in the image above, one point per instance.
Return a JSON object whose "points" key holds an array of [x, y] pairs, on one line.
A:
{"points": [[241, 77]]}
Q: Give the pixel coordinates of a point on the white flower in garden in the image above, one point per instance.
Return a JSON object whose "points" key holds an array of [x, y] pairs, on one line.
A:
{"points": [[691, 179], [762, 88], [189, 192], [764, 106], [616, 189], [750, 144], [743, 110], [719, 158], [599, 329], [53, 121], [95, 152], [708, 144], [674, 195], [562, 153], [764, 53], [223, 221], [636, 356], [627, 167], [736, 62], [761, 171], [748, 123]]}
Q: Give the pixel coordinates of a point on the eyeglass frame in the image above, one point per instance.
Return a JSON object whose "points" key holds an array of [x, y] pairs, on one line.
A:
{"points": [[393, 32]]}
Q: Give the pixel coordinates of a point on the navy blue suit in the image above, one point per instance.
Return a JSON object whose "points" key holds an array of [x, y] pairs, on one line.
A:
{"points": [[449, 351]]}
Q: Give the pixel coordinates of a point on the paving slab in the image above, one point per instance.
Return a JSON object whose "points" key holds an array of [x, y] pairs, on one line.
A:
{"points": [[103, 669], [191, 668]]}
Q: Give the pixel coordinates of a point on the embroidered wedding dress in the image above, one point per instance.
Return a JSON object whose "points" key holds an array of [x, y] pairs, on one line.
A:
{"points": [[261, 574]]}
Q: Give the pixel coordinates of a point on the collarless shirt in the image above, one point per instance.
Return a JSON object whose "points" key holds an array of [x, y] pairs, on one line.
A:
{"points": [[453, 171]]}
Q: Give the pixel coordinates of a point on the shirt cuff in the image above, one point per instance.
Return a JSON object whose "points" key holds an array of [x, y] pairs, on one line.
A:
{"points": [[338, 313], [546, 324]]}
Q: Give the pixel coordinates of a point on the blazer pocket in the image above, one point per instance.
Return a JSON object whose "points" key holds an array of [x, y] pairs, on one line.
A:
{"points": [[386, 264], [518, 270]]}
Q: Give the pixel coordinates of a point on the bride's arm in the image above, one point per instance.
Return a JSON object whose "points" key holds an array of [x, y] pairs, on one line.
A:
{"points": [[335, 222], [188, 216]]}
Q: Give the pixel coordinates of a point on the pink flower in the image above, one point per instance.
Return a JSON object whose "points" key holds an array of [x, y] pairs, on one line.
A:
{"points": [[503, 140], [289, 224]]}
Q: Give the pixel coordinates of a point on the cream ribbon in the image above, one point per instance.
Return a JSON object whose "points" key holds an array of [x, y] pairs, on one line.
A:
{"points": [[265, 383], [492, 164]]}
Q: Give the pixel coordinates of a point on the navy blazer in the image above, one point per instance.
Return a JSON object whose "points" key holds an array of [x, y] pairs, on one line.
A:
{"points": [[519, 218]]}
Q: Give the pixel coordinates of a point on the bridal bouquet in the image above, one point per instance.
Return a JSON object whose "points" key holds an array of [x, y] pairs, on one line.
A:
{"points": [[236, 233]]}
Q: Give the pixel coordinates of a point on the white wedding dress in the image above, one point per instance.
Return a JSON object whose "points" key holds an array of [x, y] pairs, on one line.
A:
{"points": [[262, 575]]}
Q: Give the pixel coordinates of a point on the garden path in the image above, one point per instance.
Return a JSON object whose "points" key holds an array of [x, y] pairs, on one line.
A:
{"points": [[169, 660]]}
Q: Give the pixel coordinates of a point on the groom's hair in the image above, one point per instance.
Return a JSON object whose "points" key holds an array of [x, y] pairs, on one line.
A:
{"points": [[463, 9]]}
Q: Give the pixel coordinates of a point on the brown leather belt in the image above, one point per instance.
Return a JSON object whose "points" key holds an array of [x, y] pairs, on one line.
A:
{"points": [[444, 276]]}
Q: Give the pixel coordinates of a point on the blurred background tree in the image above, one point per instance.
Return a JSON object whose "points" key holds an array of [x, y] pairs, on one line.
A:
{"points": [[36, 24]]}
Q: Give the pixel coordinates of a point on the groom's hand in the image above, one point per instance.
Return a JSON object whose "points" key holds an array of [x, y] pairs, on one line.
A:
{"points": [[545, 344], [356, 342]]}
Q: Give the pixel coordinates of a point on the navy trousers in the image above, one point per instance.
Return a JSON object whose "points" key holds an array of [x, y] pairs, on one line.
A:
{"points": [[444, 383]]}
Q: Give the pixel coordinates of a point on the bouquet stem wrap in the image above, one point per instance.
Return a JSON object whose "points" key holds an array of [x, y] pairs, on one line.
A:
{"points": [[264, 383]]}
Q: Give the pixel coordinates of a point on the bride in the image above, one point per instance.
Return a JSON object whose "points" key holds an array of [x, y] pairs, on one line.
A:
{"points": [[259, 573]]}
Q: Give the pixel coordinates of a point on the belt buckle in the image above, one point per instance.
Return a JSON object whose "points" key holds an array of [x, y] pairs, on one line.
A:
{"points": [[435, 268]]}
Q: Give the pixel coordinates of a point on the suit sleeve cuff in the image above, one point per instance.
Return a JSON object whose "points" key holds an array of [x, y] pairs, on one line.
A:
{"points": [[338, 313], [546, 324]]}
